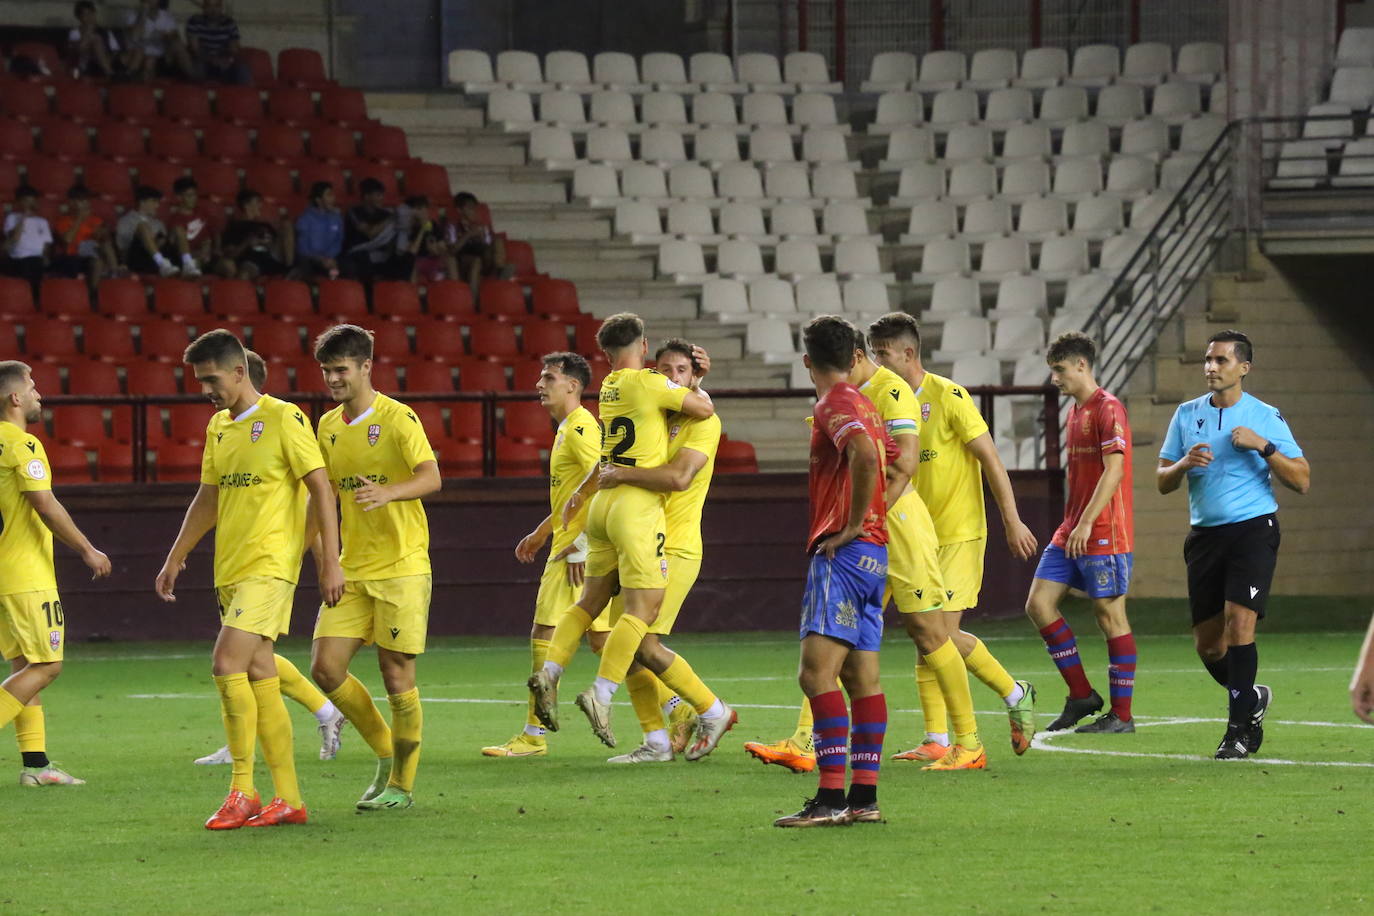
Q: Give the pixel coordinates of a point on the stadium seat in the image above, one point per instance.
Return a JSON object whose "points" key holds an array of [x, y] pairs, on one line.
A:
{"points": [[890, 71], [63, 297], [714, 72], [16, 140], [1003, 256], [930, 219], [897, 110], [908, 145], [616, 70], [859, 258], [985, 219], [382, 143], [1353, 86], [940, 71], [1204, 62], [1176, 102], [301, 67], [287, 299], [64, 140], [512, 110], [178, 299], [501, 297], [1025, 141], [520, 69], [517, 459], [662, 146], [51, 177], [311, 172], [918, 182], [528, 421], [164, 340], [942, 257], [809, 72], [16, 304], [69, 462], [568, 71], [270, 179], [847, 219], [187, 103], [788, 181], [1062, 257], [305, 375], [280, 143], [472, 71], [91, 377], [158, 174], [1147, 63], [107, 339], [132, 103], [277, 341], [1130, 176], [690, 181], [735, 457], [219, 181], [969, 181], [341, 299], [481, 375], [291, 105], [953, 106], [449, 299], [761, 72], [428, 376], [740, 260], [493, 339], [640, 221], [1097, 218], [772, 297], [819, 296], [795, 221], [955, 296], [115, 462], [429, 180], [25, 101], [457, 458], [964, 335], [1009, 106], [150, 378], [797, 258], [173, 143], [1145, 137], [121, 297], [239, 105], [991, 69], [344, 106], [550, 296], [1018, 334], [1095, 65], [390, 342], [745, 221], [187, 422], [396, 300], [178, 463], [739, 181], [724, 298], [441, 340]]}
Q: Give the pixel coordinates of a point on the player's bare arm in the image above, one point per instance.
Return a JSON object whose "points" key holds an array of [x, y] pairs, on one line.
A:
{"points": [[423, 481], [1293, 473], [1169, 475], [862, 455], [902, 470], [1362, 684], [530, 545], [55, 517], [1113, 470], [327, 523], [673, 477], [1020, 541], [200, 517]]}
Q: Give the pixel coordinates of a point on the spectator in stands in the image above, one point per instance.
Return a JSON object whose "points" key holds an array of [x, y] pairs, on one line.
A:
{"points": [[319, 234], [27, 238], [194, 224], [476, 250], [93, 51], [418, 245], [83, 240], [212, 44], [370, 240], [252, 246], [143, 243], [155, 48]]}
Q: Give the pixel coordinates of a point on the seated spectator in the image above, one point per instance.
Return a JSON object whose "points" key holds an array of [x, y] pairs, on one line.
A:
{"points": [[143, 243], [418, 243], [212, 44], [251, 246], [27, 239], [93, 51], [155, 48], [194, 224], [370, 239], [83, 240], [319, 235], [476, 250]]}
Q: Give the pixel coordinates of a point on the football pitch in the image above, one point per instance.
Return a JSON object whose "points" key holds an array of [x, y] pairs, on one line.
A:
{"points": [[1127, 823]]}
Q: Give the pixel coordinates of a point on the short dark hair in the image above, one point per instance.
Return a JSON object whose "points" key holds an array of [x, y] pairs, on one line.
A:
{"points": [[1072, 345], [463, 197], [12, 372], [894, 326], [343, 341], [246, 197], [81, 7], [317, 190], [78, 191], [146, 192], [676, 345], [257, 369], [183, 184], [830, 341], [25, 190], [219, 346], [1245, 351], [370, 186], [573, 365], [619, 331]]}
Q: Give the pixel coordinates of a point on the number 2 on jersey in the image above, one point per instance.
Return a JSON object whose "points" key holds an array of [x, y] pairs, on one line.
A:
{"points": [[625, 428]]}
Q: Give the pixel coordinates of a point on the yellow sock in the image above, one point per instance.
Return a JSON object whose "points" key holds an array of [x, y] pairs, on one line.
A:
{"points": [[683, 681], [621, 647], [296, 686], [568, 634], [10, 707], [356, 704], [31, 730], [539, 650], [239, 709], [407, 720], [275, 736], [948, 666], [805, 733], [982, 665], [664, 694], [643, 687], [932, 700]]}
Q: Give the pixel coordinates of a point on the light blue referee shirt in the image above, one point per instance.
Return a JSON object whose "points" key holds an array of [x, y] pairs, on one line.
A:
{"points": [[1236, 485]]}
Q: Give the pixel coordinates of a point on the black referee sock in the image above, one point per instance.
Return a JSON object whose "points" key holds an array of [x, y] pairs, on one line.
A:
{"points": [[35, 758], [1220, 670], [1244, 664]]}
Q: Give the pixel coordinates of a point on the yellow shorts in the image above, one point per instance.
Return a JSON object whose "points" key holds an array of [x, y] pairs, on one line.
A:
{"points": [[31, 625], [259, 604], [393, 613], [682, 575], [556, 596], [914, 580], [625, 532], [962, 565]]}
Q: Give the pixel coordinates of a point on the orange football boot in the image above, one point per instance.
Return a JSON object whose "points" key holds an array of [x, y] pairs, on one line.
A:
{"points": [[235, 811], [961, 758], [276, 813], [930, 751], [785, 753]]}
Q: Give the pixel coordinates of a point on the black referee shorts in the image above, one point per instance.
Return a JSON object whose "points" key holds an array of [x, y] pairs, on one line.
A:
{"points": [[1231, 563]]}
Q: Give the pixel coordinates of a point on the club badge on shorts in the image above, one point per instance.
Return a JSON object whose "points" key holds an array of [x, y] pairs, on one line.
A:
{"points": [[374, 432], [256, 432], [55, 639]]}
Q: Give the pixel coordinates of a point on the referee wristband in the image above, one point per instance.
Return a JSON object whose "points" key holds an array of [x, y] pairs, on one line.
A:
{"points": [[1269, 449]]}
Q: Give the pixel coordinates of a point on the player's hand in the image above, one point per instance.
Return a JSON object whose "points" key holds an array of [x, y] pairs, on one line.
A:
{"points": [[97, 562], [1244, 437], [1362, 696], [331, 582], [570, 509], [530, 545], [1199, 456], [609, 478], [167, 579], [1077, 543], [702, 363], [576, 574], [371, 495], [1020, 541], [834, 542]]}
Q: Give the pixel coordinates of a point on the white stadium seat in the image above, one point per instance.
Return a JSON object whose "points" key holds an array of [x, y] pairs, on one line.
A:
{"points": [[987, 219], [907, 145], [1017, 335], [809, 72], [472, 71], [796, 259], [614, 107], [763, 109], [1063, 105], [725, 298], [691, 181], [1042, 68], [1021, 296], [771, 144], [1145, 137], [745, 221], [812, 109], [941, 258], [1199, 134], [1332, 133], [1086, 138], [617, 70], [1025, 178], [520, 70], [1130, 176], [1009, 106], [1042, 217], [972, 180], [974, 371], [513, 110], [568, 70], [640, 221], [787, 181], [1120, 103], [597, 184], [1146, 211], [716, 146], [1003, 256], [771, 297], [941, 70], [955, 296], [665, 72], [1355, 48], [739, 181], [890, 71], [1062, 256], [642, 181], [918, 182], [859, 258], [1302, 164], [930, 219], [953, 106], [1357, 165], [711, 109], [991, 68], [772, 339], [895, 110], [795, 221], [762, 73], [663, 109], [662, 146], [1098, 217], [1095, 65], [740, 259], [562, 108], [963, 335], [714, 72], [846, 219], [682, 262], [825, 144], [610, 145], [1085, 292], [1201, 61], [1026, 141], [553, 146], [1076, 178], [1176, 102], [691, 220], [866, 296], [968, 141], [1353, 86], [819, 296], [1147, 63], [831, 182], [1177, 169]]}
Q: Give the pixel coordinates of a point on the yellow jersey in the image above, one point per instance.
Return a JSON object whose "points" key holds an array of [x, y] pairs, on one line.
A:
{"points": [[895, 402], [384, 444], [633, 411], [950, 479], [25, 542], [576, 448], [682, 514], [257, 460]]}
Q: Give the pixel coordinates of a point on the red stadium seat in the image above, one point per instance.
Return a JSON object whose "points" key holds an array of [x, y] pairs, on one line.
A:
{"points": [[525, 374], [43, 54], [493, 339], [450, 299], [52, 177], [600, 369], [277, 341], [236, 299], [50, 339], [239, 105], [177, 463], [231, 143], [465, 420], [288, 298], [16, 303], [86, 376], [344, 300], [187, 103], [431, 416], [442, 340], [383, 173], [159, 174], [384, 378], [390, 341], [46, 376], [584, 336], [386, 144], [528, 421], [16, 140], [502, 297], [517, 459], [108, 340], [259, 64], [542, 337], [178, 299], [70, 464], [291, 105], [344, 106], [301, 67], [173, 142], [132, 102], [9, 177], [554, 297], [120, 140], [428, 179], [280, 143], [64, 140], [334, 144], [79, 101], [218, 181], [397, 300], [457, 458], [115, 462], [311, 172], [270, 179], [164, 340], [735, 457], [520, 256], [481, 375], [122, 297], [64, 297], [429, 377], [150, 378], [25, 101], [306, 375], [187, 422], [108, 179]]}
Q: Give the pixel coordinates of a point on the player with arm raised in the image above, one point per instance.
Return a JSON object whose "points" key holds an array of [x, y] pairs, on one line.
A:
{"points": [[259, 453], [32, 622], [381, 464], [576, 449]]}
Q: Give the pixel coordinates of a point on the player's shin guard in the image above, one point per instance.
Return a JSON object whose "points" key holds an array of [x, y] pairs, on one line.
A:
{"points": [[866, 739], [952, 676], [567, 635], [683, 681], [10, 707], [832, 731], [275, 736], [30, 729], [1219, 669], [407, 721], [983, 665], [644, 693], [1244, 665], [353, 700], [1063, 649], [539, 650], [933, 709], [1121, 674], [239, 708], [621, 647], [296, 686]]}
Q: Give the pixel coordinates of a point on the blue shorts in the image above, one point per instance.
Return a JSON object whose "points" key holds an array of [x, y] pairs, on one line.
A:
{"points": [[844, 596], [1101, 576]]}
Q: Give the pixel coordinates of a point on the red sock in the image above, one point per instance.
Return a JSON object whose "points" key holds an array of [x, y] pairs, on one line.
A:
{"points": [[1063, 649], [866, 743], [831, 729], [1121, 673]]}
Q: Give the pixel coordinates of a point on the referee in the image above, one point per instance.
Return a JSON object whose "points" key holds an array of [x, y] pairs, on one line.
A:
{"points": [[1228, 444]]}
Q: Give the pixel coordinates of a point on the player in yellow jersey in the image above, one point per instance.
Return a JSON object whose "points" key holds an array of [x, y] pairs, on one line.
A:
{"points": [[956, 451], [576, 449], [626, 544], [381, 465], [294, 685], [686, 478], [914, 581], [259, 453], [32, 622]]}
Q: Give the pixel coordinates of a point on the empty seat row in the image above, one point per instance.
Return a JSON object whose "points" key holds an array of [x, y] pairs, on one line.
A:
{"points": [[962, 295], [712, 147], [696, 221], [1059, 257], [603, 185], [185, 103], [735, 300], [1072, 178], [516, 110], [295, 66], [1033, 218], [1303, 164], [685, 261]]}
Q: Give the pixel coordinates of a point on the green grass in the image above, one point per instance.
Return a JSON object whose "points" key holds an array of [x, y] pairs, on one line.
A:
{"points": [[1050, 831]]}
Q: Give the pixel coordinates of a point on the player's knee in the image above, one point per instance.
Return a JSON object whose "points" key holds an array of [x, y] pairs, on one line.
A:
{"points": [[1210, 651], [326, 675], [48, 670]]}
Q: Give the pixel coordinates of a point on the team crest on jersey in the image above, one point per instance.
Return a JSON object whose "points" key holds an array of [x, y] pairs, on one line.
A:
{"points": [[663, 566], [55, 639], [256, 432], [672, 433], [374, 432], [925, 413], [1087, 423]]}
